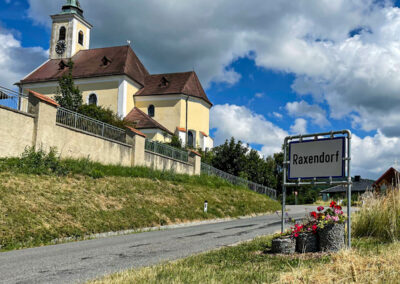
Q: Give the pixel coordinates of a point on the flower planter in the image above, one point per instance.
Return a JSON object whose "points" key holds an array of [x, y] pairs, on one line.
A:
{"points": [[331, 237], [284, 245], [307, 242]]}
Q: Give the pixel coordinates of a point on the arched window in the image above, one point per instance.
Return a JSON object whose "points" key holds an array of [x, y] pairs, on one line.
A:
{"points": [[190, 139], [92, 99], [63, 31], [80, 38], [151, 111]]}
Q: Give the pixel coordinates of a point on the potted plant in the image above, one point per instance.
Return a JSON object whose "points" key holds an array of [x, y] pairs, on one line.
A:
{"points": [[284, 243], [306, 240], [331, 227]]}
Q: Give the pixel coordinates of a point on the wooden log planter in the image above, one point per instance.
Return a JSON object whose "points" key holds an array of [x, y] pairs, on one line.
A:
{"points": [[331, 237], [283, 245], [307, 242]]}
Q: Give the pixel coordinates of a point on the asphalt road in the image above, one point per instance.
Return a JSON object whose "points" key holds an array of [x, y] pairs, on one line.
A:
{"points": [[85, 260]]}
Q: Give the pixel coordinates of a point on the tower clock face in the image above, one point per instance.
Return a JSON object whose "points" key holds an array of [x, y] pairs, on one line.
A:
{"points": [[60, 47]]}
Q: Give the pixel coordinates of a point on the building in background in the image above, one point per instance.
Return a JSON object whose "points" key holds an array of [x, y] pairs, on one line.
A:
{"points": [[159, 105], [359, 187], [390, 179]]}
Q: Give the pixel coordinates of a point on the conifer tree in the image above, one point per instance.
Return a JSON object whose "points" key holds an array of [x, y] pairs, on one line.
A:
{"points": [[68, 95]]}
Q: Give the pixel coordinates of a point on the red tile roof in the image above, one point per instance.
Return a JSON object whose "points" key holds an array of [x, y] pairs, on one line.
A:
{"points": [[186, 83], [43, 98], [204, 134], [196, 153], [181, 129], [121, 60], [136, 131], [143, 121], [390, 175]]}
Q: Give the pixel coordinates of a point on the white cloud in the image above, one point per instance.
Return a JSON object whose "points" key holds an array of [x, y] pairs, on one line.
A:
{"points": [[373, 155], [241, 123], [303, 109], [15, 60], [299, 126], [277, 115], [259, 95]]}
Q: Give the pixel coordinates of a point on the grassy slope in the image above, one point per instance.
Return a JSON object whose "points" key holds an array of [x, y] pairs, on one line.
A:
{"points": [[369, 262], [37, 209]]}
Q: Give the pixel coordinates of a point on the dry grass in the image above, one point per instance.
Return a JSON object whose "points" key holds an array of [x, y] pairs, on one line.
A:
{"points": [[369, 262], [355, 266], [379, 217], [34, 210]]}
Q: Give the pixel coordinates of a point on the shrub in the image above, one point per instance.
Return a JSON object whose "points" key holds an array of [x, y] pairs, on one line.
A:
{"points": [[176, 142], [102, 114], [96, 174], [36, 161], [379, 217]]}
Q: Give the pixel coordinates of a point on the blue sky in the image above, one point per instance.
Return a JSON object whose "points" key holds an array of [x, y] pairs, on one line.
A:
{"points": [[281, 69]]}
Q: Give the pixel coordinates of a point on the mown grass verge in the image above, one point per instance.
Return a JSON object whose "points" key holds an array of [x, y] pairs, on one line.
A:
{"points": [[369, 262], [45, 198]]}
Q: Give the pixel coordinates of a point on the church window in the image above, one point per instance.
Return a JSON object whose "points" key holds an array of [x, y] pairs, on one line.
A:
{"points": [[62, 34], [80, 38], [93, 99], [190, 139], [151, 111]]}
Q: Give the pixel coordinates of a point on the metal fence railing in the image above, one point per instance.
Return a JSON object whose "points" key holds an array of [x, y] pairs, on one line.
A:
{"points": [[209, 170], [13, 99], [166, 150], [75, 120]]}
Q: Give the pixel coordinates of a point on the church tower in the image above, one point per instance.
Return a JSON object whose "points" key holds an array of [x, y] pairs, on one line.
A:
{"points": [[70, 31]]}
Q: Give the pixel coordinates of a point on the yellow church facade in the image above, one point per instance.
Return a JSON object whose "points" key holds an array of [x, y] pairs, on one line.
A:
{"points": [[159, 105]]}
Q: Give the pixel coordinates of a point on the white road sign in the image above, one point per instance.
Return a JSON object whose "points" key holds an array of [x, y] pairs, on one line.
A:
{"points": [[317, 158]]}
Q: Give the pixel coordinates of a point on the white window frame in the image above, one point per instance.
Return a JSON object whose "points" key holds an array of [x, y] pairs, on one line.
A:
{"points": [[88, 97], [83, 41]]}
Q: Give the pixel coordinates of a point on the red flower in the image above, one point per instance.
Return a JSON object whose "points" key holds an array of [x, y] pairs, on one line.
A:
{"points": [[296, 235], [338, 207], [313, 214], [320, 208], [314, 228], [333, 204]]}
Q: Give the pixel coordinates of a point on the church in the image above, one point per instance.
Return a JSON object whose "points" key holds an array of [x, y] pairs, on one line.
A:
{"points": [[159, 105]]}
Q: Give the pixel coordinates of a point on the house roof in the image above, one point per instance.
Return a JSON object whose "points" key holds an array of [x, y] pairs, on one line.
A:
{"points": [[118, 60], [389, 175], [136, 131], [142, 121], [186, 83], [358, 186], [43, 98]]}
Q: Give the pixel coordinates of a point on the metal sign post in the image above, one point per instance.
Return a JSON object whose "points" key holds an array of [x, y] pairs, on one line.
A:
{"points": [[318, 159]]}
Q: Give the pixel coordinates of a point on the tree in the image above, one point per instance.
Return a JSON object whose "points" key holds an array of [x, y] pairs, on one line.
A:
{"points": [[68, 95], [175, 142], [230, 157]]}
